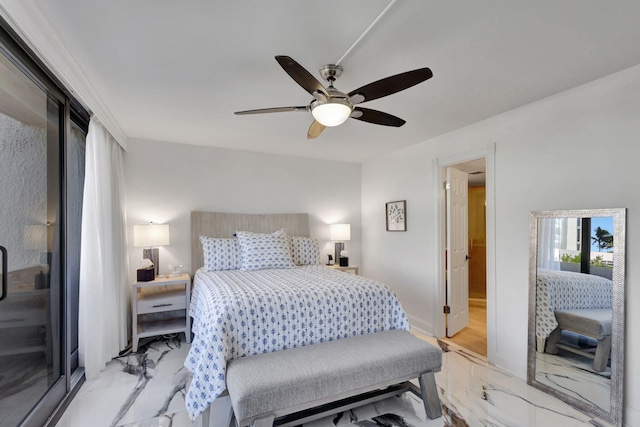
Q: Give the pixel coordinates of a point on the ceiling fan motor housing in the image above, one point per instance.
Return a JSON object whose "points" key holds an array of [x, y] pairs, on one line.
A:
{"points": [[330, 72]]}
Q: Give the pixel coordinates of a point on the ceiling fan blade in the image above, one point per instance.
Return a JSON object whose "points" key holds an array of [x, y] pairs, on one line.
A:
{"points": [[390, 85], [376, 117], [315, 130], [273, 110], [300, 75]]}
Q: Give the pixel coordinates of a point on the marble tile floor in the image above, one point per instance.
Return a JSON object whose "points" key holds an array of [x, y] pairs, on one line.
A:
{"points": [[147, 389], [574, 375]]}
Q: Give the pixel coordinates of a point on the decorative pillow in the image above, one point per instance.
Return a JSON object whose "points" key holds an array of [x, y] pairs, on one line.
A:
{"points": [[220, 253], [305, 250], [260, 251]]}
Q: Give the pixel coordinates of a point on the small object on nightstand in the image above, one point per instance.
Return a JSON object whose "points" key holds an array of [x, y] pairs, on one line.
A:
{"points": [[42, 280], [344, 259], [176, 270], [146, 274], [330, 260]]}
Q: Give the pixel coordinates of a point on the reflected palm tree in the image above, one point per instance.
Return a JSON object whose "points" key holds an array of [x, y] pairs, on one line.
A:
{"points": [[603, 238]]}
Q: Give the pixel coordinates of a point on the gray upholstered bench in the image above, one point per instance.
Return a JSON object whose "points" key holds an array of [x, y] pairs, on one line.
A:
{"points": [[328, 375], [590, 322]]}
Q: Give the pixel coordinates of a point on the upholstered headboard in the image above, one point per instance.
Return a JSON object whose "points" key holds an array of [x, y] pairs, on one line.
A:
{"points": [[217, 224]]}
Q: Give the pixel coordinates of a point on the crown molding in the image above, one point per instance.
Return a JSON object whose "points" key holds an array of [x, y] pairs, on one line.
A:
{"points": [[30, 24]]}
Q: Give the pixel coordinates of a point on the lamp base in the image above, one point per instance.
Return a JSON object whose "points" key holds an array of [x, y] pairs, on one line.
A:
{"points": [[154, 255], [339, 248]]}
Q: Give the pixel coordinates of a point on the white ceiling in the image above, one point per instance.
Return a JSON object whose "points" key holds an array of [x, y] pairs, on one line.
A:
{"points": [[177, 70]]}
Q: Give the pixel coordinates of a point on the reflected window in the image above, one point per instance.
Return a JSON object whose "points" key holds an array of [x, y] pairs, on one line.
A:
{"points": [[581, 245]]}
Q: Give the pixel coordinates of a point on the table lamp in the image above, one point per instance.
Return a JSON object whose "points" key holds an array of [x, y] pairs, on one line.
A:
{"points": [[340, 233], [148, 236]]}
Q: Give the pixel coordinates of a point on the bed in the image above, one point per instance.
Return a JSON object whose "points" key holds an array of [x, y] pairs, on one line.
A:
{"points": [[253, 309]]}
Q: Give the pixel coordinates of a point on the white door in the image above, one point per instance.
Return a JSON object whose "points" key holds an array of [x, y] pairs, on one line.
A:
{"points": [[457, 251]]}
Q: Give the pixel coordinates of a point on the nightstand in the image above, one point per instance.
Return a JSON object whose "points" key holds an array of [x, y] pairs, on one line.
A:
{"points": [[352, 269], [158, 302]]}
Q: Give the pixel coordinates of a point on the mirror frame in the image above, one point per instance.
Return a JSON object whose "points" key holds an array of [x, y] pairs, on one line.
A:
{"points": [[615, 413]]}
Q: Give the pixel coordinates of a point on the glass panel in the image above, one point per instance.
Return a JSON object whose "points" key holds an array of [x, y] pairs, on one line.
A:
{"points": [[30, 316], [76, 149], [565, 295]]}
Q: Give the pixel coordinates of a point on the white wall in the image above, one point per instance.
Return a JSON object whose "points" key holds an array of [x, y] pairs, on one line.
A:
{"points": [[578, 149], [166, 181]]}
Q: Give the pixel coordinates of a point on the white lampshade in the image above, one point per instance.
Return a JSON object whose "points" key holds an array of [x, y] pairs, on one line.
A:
{"points": [[149, 235], [341, 232], [331, 113]]}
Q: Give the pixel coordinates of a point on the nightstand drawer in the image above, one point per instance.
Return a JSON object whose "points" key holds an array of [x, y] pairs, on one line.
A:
{"points": [[165, 301]]}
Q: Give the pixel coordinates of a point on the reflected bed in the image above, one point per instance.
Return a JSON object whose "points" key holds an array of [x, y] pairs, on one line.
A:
{"points": [[565, 290]]}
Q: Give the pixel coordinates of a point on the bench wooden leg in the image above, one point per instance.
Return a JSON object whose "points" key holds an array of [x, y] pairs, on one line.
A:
{"points": [[430, 397], [264, 421], [219, 413], [603, 351], [203, 419], [554, 338]]}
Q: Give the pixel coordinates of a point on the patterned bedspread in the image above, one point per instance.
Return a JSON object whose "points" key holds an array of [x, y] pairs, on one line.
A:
{"points": [[564, 290], [238, 313]]}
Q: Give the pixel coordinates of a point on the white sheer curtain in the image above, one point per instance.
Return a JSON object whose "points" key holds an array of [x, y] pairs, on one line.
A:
{"points": [[103, 264], [549, 235]]}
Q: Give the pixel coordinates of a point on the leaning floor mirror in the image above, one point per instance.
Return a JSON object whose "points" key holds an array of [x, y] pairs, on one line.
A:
{"points": [[576, 308]]}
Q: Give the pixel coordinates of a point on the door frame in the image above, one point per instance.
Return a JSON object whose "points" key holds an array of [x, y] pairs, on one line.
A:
{"points": [[439, 169]]}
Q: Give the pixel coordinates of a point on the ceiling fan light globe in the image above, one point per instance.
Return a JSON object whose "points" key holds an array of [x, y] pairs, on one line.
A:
{"points": [[331, 113]]}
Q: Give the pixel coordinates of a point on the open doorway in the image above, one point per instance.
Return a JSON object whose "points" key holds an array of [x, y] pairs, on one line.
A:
{"points": [[473, 336]]}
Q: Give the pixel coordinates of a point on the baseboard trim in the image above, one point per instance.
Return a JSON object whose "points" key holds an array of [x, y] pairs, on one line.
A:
{"points": [[421, 325]]}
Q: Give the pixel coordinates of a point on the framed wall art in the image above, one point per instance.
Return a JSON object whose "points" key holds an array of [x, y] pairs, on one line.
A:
{"points": [[397, 216]]}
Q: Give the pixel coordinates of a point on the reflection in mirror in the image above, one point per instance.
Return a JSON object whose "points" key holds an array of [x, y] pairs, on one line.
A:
{"points": [[576, 308]]}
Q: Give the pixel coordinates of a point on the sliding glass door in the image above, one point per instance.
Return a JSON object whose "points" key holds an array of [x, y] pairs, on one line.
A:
{"points": [[30, 313], [41, 181]]}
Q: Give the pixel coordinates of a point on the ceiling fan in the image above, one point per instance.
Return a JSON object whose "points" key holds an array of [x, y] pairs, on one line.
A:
{"points": [[330, 107]]}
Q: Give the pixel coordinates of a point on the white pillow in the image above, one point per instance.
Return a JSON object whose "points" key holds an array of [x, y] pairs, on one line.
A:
{"points": [[261, 251], [305, 250], [220, 253]]}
